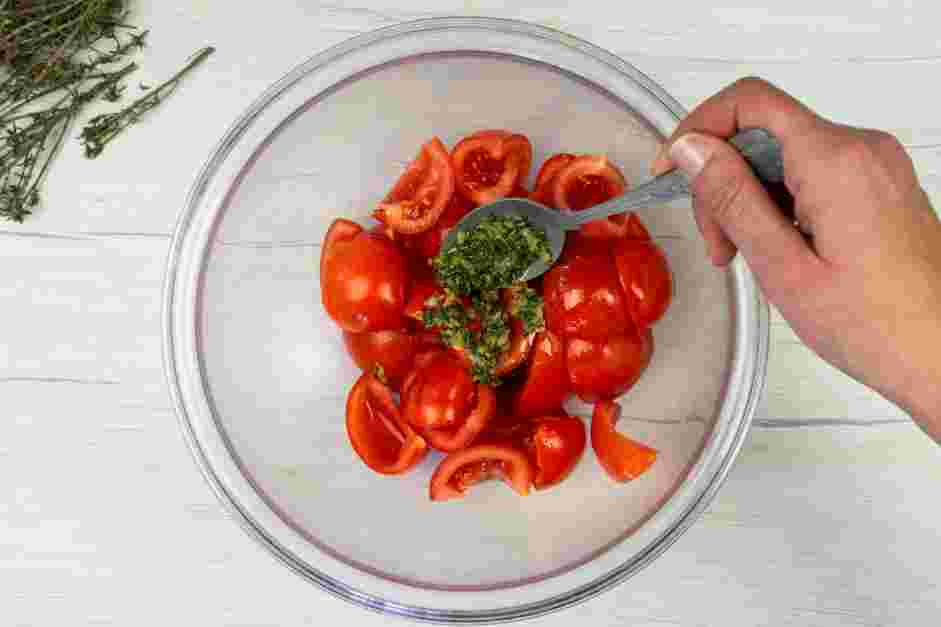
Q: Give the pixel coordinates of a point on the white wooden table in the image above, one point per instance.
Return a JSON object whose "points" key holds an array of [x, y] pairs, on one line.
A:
{"points": [[832, 515]]}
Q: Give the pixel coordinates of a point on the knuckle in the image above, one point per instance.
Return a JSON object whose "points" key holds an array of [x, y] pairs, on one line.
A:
{"points": [[752, 84]]}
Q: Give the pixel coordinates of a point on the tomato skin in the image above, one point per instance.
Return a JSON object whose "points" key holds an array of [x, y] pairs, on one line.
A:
{"points": [[421, 194], [583, 295], [466, 467], [450, 440], [556, 445], [586, 181], [645, 278], [363, 280], [604, 369], [634, 228], [621, 457], [546, 385], [491, 164], [391, 350], [439, 393], [385, 442], [428, 244], [422, 286], [543, 192]]}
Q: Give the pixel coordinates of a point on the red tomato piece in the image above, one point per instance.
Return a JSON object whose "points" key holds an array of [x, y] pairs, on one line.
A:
{"points": [[491, 164], [362, 279], [546, 385], [583, 295], [462, 469], [380, 437], [449, 440], [555, 445], [621, 457], [428, 244], [543, 193], [645, 278], [421, 194], [391, 350], [586, 181], [634, 228], [422, 287], [604, 369], [439, 393]]}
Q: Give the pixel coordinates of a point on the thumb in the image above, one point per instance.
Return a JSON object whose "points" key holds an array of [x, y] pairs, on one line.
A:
{"points": [[728, 198]]}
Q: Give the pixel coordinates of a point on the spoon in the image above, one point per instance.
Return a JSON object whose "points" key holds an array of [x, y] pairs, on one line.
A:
{"points": [[759, 147]]}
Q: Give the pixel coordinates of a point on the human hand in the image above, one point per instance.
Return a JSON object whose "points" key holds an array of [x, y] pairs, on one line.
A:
{"points": [[860, 279]]}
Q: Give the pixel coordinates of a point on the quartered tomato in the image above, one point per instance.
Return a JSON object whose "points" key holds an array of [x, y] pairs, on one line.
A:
{"points": [[553, 443], [546, 384], [492, 164], [422, 287], [363, 279], [586, 181], [520, 341], [495, 460], [621, 457], [421, 194], [606, 368], [390, 351], [380, 437], [550, 169], [583, 295], [428, 244], [645, 277]]}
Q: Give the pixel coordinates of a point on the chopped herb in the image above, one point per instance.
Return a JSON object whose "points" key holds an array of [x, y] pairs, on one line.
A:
{"points": [[493, 254], [527, 307]]}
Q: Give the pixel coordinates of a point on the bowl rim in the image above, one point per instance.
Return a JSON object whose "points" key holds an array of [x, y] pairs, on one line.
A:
{"points": [[748, 300]]}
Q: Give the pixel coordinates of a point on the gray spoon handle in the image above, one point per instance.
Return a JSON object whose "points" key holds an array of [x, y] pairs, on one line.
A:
{"points": [[759, 147]]}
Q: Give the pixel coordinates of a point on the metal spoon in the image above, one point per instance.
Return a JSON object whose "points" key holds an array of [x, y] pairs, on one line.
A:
{"points": [[759, 147]]}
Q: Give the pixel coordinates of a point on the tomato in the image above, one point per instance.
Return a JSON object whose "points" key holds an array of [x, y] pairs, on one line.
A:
{"points": [[520, 345], [421, 194], [456, 438], [438, 393], [555, 445], [645, 277], [583, 295], [422, 287], [550, 169], [490, 165], [362, 279], [380, 437], [586, 181], [604, 369], [391, 350], [634, 228], [621, 457], [546, 384], [428, 244], [462, 469]]}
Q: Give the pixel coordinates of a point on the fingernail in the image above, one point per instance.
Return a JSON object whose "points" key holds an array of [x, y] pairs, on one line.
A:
{"points": [[689, 154]]}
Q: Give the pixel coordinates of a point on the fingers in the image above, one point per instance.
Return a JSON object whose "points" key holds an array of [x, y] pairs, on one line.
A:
{"points": [[735, 212], [749, 102]]}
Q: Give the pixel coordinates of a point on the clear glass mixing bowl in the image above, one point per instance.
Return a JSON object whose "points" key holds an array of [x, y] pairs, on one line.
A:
{"points": [[259, 374]]}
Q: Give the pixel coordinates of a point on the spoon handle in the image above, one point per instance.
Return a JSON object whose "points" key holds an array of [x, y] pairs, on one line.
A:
{"points": [[759, 147]]}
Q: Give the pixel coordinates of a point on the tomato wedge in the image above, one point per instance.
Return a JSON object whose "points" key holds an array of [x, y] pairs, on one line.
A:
{"points": [[428, 244], [438, 393], [604, 369], [421, 194], [645, 277], [362, 279], [583, 295], [586, 181], [422, 287], [449, 440], [380, 437], [491, 164], [546, 384], [543, 193], [462, 469], [555, 445], [621, 457], [389, 350]]}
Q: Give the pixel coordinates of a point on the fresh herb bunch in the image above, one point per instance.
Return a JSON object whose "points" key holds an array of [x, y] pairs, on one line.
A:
{"points": [[56, 57], [493, 254]]}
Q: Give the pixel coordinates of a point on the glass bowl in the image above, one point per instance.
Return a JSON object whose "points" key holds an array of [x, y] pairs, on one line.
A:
{"points": [[259, 374]]}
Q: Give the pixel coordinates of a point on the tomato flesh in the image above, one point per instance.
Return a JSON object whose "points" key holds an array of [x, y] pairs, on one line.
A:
{"points": [[491, 164], [363, 280], [376, 430], [546, 385], [460, 470], [587, 181], [454, 439], [421, 194], [621, 457]]}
